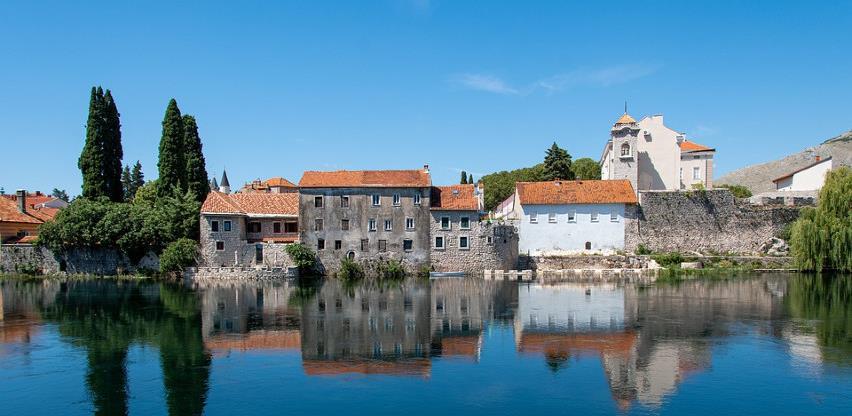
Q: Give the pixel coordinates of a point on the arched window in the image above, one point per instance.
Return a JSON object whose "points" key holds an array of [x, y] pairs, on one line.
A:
{"points": [[625, 149], [351, 255], [588, 245]]}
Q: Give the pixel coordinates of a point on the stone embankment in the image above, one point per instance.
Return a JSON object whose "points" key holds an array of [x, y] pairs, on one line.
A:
{"points": [[103, 262]]}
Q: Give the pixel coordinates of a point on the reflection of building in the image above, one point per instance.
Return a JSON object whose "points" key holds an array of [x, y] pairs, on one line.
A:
{"points": [[459, 309], [367, 330], [20, 303]]}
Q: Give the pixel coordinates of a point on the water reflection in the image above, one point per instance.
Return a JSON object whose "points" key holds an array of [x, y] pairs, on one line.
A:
{"points": [[648, 339]]}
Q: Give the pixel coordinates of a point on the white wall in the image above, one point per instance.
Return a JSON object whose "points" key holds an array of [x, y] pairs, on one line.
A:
{"points": [[704, 163], [658, 155], [567, 307], [810, 179], [564, 237]]}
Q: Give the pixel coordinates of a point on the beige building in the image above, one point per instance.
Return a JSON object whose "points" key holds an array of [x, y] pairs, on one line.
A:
{"points": [[653, 156], [808, 178]]}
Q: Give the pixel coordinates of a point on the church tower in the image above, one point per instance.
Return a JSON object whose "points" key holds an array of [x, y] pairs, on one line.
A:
{"points": [[224, 185], [625, 159]]}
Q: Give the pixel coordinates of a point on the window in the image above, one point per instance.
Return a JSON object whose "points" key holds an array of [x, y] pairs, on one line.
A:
{"points": [[220, 246], [396, 200], [464, 223], [551, 217], [214, 226], [383, 245], [318, 224], [681, 173], [371, 224], [351, 255], [445, 223], [227, 225], [276, 227], [408, 245], [344, 202], [318, 201], [439, 242], [416, 199], [344, 225], [594, 217], [696, 173], [388, 225], [572, 216], [489, 240], [588, 245], [613, 216], [258, 253], [254, 227], [625, 150], [533, 218], [338, 244], [409, 223], [320, 244], [365, 244], [377, 200], [291, 227], [464, 242]]}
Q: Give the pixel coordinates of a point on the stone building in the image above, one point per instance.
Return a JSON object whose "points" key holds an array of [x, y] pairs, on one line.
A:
{"points": [[369, 216], [248, 229], [461, 240], [652, 156]]}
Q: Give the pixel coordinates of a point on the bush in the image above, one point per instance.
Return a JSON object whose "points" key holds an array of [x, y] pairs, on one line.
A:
{"points": [[738, 191], [350, 270], [642, 250], [303, 257], [179, 255], [392, 269], [668, 259], [424, 271], [821, 239]]}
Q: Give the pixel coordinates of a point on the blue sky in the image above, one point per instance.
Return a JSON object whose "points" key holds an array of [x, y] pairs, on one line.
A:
{"points": [[481, 86]]}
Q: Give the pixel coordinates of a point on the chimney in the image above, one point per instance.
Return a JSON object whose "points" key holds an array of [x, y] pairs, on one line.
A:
{"points": [[426, 168], [818, 158], [22, 200]]}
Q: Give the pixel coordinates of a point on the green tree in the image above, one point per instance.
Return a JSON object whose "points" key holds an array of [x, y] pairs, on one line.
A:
{"points": [[137, 178], [196, 170], [470, 179], [178, 255], [557, 164], [59, 194], [463, 179], [821, 239], [91, 161], [125, 183], [500, 185], [172, 160], [586, 169], [112, 149]]}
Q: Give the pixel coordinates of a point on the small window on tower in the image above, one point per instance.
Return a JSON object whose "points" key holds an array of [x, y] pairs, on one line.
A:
{"points": [[625, 149]]}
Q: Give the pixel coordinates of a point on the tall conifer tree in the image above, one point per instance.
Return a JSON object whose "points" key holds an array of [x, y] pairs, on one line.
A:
{"points": [[196, 170], [463, 179], [91, 162], [112, 149], [137, 178], [172, 163], [125, 183]]}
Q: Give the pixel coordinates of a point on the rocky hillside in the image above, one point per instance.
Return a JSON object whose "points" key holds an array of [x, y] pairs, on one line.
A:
{"points": [[759, 178]]}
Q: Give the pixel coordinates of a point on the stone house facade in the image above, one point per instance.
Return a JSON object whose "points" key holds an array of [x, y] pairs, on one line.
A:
{"points": [[248, 229], [461, 240], [367, 216]]}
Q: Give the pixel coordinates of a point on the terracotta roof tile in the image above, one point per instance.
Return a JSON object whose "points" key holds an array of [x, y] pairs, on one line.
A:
{"points": [[9, 213], [454, 198], [366, 179], [577, 192], [279, 182], [625, 119], [687, 146], [284, 204]]}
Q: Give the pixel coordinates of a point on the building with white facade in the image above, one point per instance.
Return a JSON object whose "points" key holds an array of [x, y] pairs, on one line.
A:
{"points": [[568, 217], [808, 178], [652, 156]]}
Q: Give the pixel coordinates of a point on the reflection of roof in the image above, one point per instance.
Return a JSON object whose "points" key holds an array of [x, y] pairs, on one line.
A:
{"points": [[454, 198], [576, 192], [366, 178], [256, 340], [467, 346], [817, 162], [284, 204], [606, 342], [687, 146], [415, 367]]}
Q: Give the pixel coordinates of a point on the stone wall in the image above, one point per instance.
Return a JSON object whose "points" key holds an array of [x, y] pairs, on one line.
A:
{"points": [[80, 261], [201, 274], [491, 245], [708, 221], [586, 262]]}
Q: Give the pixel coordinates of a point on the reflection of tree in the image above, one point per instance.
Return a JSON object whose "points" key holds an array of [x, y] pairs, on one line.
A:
{"points": [[827, 301], [106, 317]]}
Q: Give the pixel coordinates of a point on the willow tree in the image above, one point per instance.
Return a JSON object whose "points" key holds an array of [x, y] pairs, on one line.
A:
{"points": [[821, 239]]}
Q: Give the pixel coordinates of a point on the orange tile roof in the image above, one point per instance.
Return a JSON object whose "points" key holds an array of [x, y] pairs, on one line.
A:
{"points": [[607, 342], [454, 198], [284, 204], [688, 146], [256, 340], [625, 119], [618, 191], [279, 181], [366, 179], [9, 213], [414, 367]]}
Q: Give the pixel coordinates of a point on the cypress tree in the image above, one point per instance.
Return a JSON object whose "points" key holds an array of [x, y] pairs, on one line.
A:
{"points": [[91, 161], [125, 183], [172, 163], [137, 178], [196, 170], [112, 149], [470, 179], [463, 178]]}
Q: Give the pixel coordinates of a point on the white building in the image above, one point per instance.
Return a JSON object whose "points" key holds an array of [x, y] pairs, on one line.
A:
{"points": [[652, 156], [808, 178], [565, 217]]}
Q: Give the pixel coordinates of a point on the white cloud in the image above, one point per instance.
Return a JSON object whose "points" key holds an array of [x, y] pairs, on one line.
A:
{"points": [[600, 77], [487, 83]]}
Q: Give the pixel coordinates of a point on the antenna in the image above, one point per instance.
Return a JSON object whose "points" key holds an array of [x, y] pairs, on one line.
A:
{"points": [[625, 106]]}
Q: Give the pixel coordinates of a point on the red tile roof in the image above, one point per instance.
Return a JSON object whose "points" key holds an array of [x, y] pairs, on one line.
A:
{"points": [[577, 192], [284, 204], [279, 182], [687, 146], [9, 213], [454, 198], [366, 179]]}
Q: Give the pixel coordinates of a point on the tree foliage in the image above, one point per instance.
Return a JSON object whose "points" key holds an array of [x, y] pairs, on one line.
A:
{"points": [[178, 255], [586, 169], [196, 169], [821, 238], [59, 194], [113, 152], [557, 164], [738, 191], [498, 186], [303, 257], [100, 160], [172, 161], [463, 179]]}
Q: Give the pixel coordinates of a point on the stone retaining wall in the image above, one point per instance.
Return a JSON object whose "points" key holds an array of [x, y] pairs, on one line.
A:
{"points": [[584, 262], [16, 257]]}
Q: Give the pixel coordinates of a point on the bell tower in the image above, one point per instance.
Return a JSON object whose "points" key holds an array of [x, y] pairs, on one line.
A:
{"points": [[625, 136]]}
